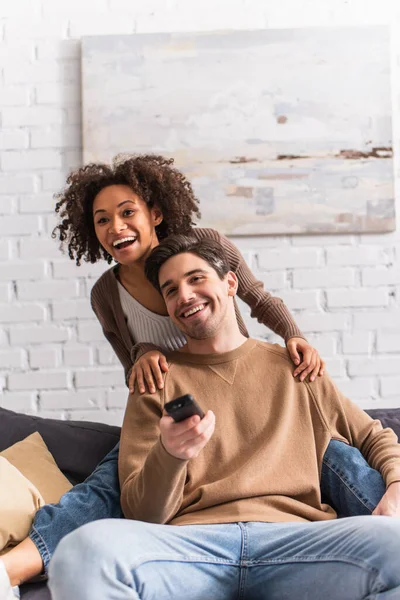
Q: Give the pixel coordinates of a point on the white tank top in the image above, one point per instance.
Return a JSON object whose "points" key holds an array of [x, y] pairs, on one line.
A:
{"points": [[146, 326]]}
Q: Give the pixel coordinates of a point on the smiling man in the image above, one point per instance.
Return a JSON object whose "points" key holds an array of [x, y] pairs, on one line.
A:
{"points": [[198, 292], [229, 506]]}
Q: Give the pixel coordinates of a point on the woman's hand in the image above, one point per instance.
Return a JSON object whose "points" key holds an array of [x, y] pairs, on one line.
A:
{"points": [[312, 364], [148, 369]]}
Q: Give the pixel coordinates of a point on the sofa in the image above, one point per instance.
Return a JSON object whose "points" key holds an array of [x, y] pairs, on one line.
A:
{"points": [[78, 446]]}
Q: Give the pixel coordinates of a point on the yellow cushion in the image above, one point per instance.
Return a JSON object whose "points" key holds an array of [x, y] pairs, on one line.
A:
{"points": [[29, 478], [19, 501], [32, 458]]}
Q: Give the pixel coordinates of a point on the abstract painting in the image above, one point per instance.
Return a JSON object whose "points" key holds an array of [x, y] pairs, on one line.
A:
{"points": [[279, 131]]}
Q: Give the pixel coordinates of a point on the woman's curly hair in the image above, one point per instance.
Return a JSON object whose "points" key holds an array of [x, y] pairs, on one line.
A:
{"points": [[151, 177]]}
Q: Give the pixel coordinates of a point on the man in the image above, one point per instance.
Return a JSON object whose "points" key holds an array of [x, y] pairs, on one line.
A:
{"points": [[243, 482]]}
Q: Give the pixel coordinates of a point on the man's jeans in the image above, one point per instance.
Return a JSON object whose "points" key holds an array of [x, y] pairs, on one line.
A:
{"points": [[343, 559], [347, 483]]}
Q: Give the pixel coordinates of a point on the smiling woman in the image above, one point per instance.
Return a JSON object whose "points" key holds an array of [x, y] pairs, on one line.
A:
{"points": [[125, 226], [124, 223]]}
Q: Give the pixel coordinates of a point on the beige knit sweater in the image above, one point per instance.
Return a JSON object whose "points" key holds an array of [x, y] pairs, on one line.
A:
{"points": [[267, 309], [263, 462]]}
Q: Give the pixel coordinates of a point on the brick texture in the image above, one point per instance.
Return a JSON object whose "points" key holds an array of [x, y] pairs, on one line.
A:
{"points": [[343, 290]]}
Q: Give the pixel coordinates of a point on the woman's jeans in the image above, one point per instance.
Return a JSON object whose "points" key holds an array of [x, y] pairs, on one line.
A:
{"points": [[348, 484]]}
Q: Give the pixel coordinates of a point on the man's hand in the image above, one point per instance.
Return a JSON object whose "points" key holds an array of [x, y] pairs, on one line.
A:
{"points": [[389, 505], [312, 364], [187, 438]]}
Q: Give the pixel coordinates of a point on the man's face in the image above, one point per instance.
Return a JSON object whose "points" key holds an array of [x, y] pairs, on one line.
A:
{"points": [[197, 299]]}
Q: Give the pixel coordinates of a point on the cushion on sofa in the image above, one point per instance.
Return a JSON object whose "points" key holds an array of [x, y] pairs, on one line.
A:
{"points": [[29, 479], [32, 458], [76, 446], [19, 501]]}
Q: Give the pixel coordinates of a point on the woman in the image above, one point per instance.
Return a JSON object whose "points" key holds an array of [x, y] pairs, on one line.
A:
{"points": [[121, 212]]}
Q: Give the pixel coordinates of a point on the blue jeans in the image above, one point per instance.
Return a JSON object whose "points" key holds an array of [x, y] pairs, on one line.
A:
{"points": [[347, 483], [343, 559]]}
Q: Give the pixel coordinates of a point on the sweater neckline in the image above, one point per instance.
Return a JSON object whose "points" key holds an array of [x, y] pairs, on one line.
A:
{"points": [[149, 313], [215, 358]]}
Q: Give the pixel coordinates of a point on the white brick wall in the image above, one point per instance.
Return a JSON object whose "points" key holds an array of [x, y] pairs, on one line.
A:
{"points": [[344, 290]]}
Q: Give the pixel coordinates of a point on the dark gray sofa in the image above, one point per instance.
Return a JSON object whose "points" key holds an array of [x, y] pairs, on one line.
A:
{"points": [[79, 446], [76, 446]]}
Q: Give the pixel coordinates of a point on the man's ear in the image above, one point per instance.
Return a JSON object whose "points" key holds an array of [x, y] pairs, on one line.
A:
{"points": [[232, 281]]}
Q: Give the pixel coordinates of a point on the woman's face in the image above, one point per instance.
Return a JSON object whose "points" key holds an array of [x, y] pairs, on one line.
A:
{"points": [[124, 224]]}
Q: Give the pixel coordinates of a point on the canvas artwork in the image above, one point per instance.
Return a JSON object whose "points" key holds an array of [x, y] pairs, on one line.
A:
{"points": [[279, 131]]}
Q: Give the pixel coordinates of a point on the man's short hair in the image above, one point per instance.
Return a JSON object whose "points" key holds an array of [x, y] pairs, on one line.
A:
{"points": [[210, 251]]}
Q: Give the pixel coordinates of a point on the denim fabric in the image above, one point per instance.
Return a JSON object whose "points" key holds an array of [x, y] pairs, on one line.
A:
{"points": [[343, 559], [96, 498], [348, 483]]}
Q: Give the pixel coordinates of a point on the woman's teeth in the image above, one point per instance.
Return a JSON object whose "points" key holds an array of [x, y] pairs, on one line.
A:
{"points": [[193, 310], [123, 242]]}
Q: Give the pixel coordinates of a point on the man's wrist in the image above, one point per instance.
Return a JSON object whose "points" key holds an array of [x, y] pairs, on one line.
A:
{"points": [[168, 454]]}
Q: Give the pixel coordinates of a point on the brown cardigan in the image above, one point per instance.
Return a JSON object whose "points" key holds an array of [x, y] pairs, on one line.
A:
{"points": [[269, 310]]}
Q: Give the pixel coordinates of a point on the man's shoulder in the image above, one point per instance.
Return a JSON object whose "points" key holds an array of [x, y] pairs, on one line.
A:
{"points": [[275, 350]]}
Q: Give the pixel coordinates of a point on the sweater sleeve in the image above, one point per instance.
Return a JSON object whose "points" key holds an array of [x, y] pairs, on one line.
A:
{"points": [[152, 481], [348, 422], [267, 309], [97, 300], [141, 348]]}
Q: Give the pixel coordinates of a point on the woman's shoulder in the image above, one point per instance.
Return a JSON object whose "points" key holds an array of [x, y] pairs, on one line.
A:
{"points": [[105, 283], [212, 234], [206, 232]]}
